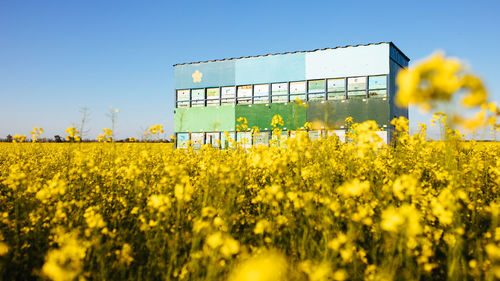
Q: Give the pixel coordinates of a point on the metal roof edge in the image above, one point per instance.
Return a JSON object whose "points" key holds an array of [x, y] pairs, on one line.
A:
{"points": [[397, 49], [286, 53]]}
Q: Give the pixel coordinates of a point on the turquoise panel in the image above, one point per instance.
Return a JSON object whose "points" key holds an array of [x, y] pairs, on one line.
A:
{"points": [[210, 74], [279, 68]]}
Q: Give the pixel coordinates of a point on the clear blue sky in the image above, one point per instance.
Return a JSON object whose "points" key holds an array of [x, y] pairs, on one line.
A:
{"points": [[58, 56]]}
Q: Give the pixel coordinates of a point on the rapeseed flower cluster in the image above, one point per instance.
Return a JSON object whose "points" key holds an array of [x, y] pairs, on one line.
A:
{"points": [[18, 138], [439, 80], [105, 136], [73, 134], [36, 133], [154, 132], [320, 210], [298, 210]]}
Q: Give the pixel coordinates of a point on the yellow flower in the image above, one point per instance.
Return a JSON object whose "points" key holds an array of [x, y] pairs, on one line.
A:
{"points": [[392, 220], [261, 227], [477, 94], [159, 202], [35, 134], [125, 254], [266, 266], [403, 219], [442, 207], [493, 251], [105, 136], [73, 134], [183, 192], [404, 186], [277, 121], [434, 79], [18, 138], [156, 129], [243, 124], [340, 275], [316, 272], [52, 189], [93, 218], [214, 240], [230, 247], [354, 188], [339, 241], [66, 262], [4, 249], [437, 80], [300, 102], [401, 124]]}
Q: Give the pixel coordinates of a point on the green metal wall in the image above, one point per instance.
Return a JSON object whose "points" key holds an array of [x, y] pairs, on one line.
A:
{"points": [[332, 114], [204, 119], [260, 115], [328, 114]]}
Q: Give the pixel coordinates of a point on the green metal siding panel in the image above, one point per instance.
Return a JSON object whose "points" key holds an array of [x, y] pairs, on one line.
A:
{"points": [[204, 119], [332, 114], [260, 115]]}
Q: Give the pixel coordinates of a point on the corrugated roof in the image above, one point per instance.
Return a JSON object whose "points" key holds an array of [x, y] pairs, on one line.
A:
{"points": [[286, 53]]}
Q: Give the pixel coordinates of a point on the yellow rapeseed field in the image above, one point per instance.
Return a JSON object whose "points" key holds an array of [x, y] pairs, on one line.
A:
{"points": [[297, 210]]}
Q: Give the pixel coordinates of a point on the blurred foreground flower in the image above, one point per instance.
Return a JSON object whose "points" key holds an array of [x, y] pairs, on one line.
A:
{"points": [[438, 80], [65, 262], [265, 266]]}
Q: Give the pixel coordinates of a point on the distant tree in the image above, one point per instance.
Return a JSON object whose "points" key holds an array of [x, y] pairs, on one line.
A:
{"points": [[9, 138], [58, 138]]}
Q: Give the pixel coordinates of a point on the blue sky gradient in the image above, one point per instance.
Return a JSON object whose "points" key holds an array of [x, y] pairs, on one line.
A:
{"points": [[59, 56]]}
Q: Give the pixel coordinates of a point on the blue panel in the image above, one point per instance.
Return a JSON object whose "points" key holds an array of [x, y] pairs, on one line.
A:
{"points": [[278, 68], [210, 74], [352, 61]]}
